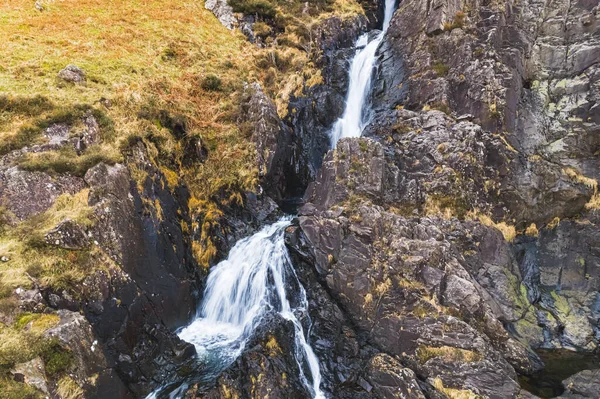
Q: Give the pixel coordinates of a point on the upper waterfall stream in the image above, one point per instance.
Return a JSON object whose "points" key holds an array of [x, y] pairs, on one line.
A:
{"points": [[354, 119]]}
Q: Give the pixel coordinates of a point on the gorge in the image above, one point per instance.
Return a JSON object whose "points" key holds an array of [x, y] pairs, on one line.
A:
{"points": [[328, 199]]}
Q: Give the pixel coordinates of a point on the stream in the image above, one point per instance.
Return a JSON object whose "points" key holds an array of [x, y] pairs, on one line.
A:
{"points": [[253, 279]]}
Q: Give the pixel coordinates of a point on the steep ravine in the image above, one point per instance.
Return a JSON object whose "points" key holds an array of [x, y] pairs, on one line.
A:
{"points": [[426, 248]]}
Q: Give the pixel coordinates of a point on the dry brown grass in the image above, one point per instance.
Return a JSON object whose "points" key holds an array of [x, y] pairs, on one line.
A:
{"points": [[447, 353], [578, 177], [508, 231], [149, 57], [452, 393]]}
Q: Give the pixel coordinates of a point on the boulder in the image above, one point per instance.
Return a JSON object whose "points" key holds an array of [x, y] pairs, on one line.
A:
{"points": [[26, 193], [585, 384], [32, 373], [67, 235], [222, 11], [72, 73]]}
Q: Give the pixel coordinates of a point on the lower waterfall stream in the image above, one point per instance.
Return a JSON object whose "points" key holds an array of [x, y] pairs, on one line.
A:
{"points": [[239, 291]]}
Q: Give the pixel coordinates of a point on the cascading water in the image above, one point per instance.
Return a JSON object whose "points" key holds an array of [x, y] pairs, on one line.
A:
{"points": [[353, 121], [252, 280], [239, 291]]}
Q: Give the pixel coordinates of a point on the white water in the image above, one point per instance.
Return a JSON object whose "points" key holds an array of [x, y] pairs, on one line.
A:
{"points": [[239, 291], [353, 121]]}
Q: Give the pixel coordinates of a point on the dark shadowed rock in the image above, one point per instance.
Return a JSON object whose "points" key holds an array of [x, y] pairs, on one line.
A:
{"points": [[67, 235]]}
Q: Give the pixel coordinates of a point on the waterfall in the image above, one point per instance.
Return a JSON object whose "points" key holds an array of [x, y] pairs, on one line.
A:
{"points": [[239, 291], [353, 121]]}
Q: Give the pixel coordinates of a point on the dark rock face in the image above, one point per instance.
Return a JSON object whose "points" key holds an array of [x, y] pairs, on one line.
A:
{"points": [[291, 151], [479, 125], [137, 306]]}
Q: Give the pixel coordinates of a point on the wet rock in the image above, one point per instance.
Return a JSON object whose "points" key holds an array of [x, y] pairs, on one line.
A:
{"points": [[271, 138], [32, 373], [585, 384], [67, 235], [72, 73], [267, 368], [154, 289]]}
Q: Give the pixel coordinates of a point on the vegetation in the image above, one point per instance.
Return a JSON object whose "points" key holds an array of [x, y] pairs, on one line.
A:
{"points": [[458, 22], [447, 354], [508, 231], [452, 393], [441, 69], [166, 85], [31, 258]]}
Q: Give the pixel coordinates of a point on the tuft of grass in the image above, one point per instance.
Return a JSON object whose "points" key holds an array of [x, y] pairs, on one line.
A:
{"points": [[593, 203], [532, 230], [447, 354], [458, 21], [67, 388], [508, 231], [441, 69], [577, 177], [66, 160], [452, 393], [212, 83]]}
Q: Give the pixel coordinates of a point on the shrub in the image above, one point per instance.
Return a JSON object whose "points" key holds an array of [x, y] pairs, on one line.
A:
{"points": [[441, 69], [212, 83], [56, 358], [262, 30], [260, 8]]}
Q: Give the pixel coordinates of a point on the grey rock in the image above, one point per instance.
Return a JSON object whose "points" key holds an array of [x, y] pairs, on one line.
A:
{"points": [[585, 384], [57, 134], [27, 194], [32, 373], [222, 11], [72, 73], [75, 333]]}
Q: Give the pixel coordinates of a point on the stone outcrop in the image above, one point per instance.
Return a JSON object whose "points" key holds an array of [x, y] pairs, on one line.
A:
{"points": [[222, 11], [72, 73]]}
